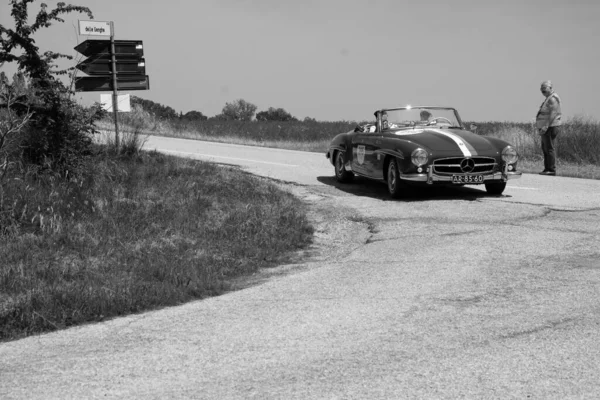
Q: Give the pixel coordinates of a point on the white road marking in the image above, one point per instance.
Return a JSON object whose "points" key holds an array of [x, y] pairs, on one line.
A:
{"points": [[228, 158], [523, 187]]}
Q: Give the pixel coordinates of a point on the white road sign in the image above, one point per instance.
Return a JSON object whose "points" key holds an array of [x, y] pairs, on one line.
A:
{"points": [[123, 102], [96, 28]]}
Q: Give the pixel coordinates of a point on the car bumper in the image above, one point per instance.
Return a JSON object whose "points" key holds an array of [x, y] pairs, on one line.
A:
{"points": [[431, 177]]}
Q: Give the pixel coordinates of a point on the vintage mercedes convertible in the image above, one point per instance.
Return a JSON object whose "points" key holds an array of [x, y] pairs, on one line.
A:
{"points": [[422, 145]]}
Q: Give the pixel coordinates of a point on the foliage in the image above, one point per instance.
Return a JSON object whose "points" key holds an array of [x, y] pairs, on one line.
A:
{"points": [[274, 114], [14, 116], [261, 131], [38, 67], [238, 110], [193, 116], [156, 109], [58, 134], [134, 124]]}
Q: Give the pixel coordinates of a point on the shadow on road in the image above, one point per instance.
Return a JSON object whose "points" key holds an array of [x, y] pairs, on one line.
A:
{"points": [[369, 188]]}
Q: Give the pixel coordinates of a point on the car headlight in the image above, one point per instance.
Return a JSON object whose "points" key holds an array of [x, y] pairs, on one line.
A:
{"points": [[510, 155], [419, 157]]}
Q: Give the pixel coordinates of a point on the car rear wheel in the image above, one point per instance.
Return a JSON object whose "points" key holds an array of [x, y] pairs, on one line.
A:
{"points": [[395, 185], [495, 187], [340, 168]]}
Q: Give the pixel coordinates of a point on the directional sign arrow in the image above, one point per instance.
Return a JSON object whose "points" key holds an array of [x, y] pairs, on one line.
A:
{"points": [[101, 65], [104, 83], [93, 46]]}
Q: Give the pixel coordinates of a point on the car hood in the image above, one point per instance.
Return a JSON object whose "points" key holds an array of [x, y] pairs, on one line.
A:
{"points": [[448, 141]]}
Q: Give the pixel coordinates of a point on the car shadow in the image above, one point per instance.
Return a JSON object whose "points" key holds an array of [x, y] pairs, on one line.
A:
{"points": [[366, 187]]}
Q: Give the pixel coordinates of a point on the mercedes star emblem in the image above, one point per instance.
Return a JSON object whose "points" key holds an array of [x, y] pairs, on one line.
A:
{"points": [[467, 165]]}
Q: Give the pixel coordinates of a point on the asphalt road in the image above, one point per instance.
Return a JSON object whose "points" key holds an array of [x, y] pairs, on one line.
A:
{"points": [[449, 294]]}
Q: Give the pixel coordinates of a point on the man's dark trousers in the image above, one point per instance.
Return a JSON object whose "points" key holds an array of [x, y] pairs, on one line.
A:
{"points": [[548, 148]]}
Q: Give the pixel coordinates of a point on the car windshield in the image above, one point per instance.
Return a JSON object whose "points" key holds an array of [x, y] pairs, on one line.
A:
{"points": [[421, 116]]}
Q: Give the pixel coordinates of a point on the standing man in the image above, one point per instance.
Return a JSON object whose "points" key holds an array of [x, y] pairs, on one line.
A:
{"points": [[548, 124]]}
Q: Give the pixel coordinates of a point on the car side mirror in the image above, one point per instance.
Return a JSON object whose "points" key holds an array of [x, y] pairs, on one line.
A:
{"points": [[473, 128]]}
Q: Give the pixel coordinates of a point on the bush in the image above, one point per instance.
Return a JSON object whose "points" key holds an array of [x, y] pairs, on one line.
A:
{"points": [[239, 110], [274, 114], [59, 135]]}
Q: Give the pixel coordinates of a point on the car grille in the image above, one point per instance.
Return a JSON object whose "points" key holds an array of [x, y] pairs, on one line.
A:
{"points": [[453, 165]]}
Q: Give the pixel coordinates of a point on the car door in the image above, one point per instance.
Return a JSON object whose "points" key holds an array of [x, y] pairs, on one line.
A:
{"points": [[376, 160], [364, 157]]}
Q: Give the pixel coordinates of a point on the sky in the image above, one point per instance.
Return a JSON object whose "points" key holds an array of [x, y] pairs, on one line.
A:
{"points": [[342, 59]]}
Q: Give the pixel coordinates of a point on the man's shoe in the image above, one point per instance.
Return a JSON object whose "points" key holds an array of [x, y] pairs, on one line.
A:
{"points": [[544, 172], [552, 173]]}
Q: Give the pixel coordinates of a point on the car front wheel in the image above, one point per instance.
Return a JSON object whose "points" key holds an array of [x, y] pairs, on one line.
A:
{"points": [[495, 188], [395, 185], [340, 168]]}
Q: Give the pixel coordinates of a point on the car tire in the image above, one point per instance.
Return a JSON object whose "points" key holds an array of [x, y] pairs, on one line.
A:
{"points": [[341, 174], [495, 188], [396, 187]]}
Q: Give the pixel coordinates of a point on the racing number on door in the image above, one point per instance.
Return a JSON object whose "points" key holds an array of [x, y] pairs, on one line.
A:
{"points": [[360, 154]]}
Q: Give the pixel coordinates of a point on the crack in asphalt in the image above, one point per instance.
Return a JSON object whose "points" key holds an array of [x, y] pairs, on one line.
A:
{"points": [[464, 232], [540, 328], [372, 224], [552, 208]]}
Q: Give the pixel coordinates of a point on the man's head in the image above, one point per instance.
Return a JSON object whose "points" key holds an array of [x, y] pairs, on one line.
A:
{"points": [[546, 88], [425, 115]]}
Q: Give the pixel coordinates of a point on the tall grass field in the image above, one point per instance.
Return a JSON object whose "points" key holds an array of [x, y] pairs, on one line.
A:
{"points": [[577, 146]]}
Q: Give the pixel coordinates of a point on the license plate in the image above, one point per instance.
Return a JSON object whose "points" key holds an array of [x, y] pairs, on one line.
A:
{"points": [[467, 178]]}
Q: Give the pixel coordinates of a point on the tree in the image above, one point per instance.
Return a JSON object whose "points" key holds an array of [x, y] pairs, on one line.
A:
{"points": [[38, 67], [193, 116], [156, 109], [274, 114], [239, 110], [218, 117], [59, 131]]}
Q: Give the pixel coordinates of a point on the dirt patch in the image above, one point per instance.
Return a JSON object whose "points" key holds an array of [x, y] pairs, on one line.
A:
{"points": [[337, 233]]}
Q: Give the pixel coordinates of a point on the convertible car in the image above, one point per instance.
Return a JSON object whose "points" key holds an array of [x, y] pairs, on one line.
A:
{"points": [[422, 145]]}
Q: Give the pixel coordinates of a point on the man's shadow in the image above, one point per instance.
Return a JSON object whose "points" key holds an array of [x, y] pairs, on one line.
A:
{"points": [[378, 190]]}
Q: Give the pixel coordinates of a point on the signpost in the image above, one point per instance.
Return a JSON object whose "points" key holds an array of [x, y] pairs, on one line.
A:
{"points": [[113, 65]]}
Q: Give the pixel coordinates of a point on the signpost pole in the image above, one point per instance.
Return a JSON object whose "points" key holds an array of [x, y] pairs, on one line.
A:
{"points": [[113, 61]]}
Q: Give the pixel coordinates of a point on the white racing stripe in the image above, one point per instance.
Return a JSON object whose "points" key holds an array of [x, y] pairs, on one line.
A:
{"points": [[228, 158], [457, 139]]}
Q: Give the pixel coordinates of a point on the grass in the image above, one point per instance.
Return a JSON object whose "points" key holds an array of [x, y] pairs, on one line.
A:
{"points": [[140, 232], [577, 146]]}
